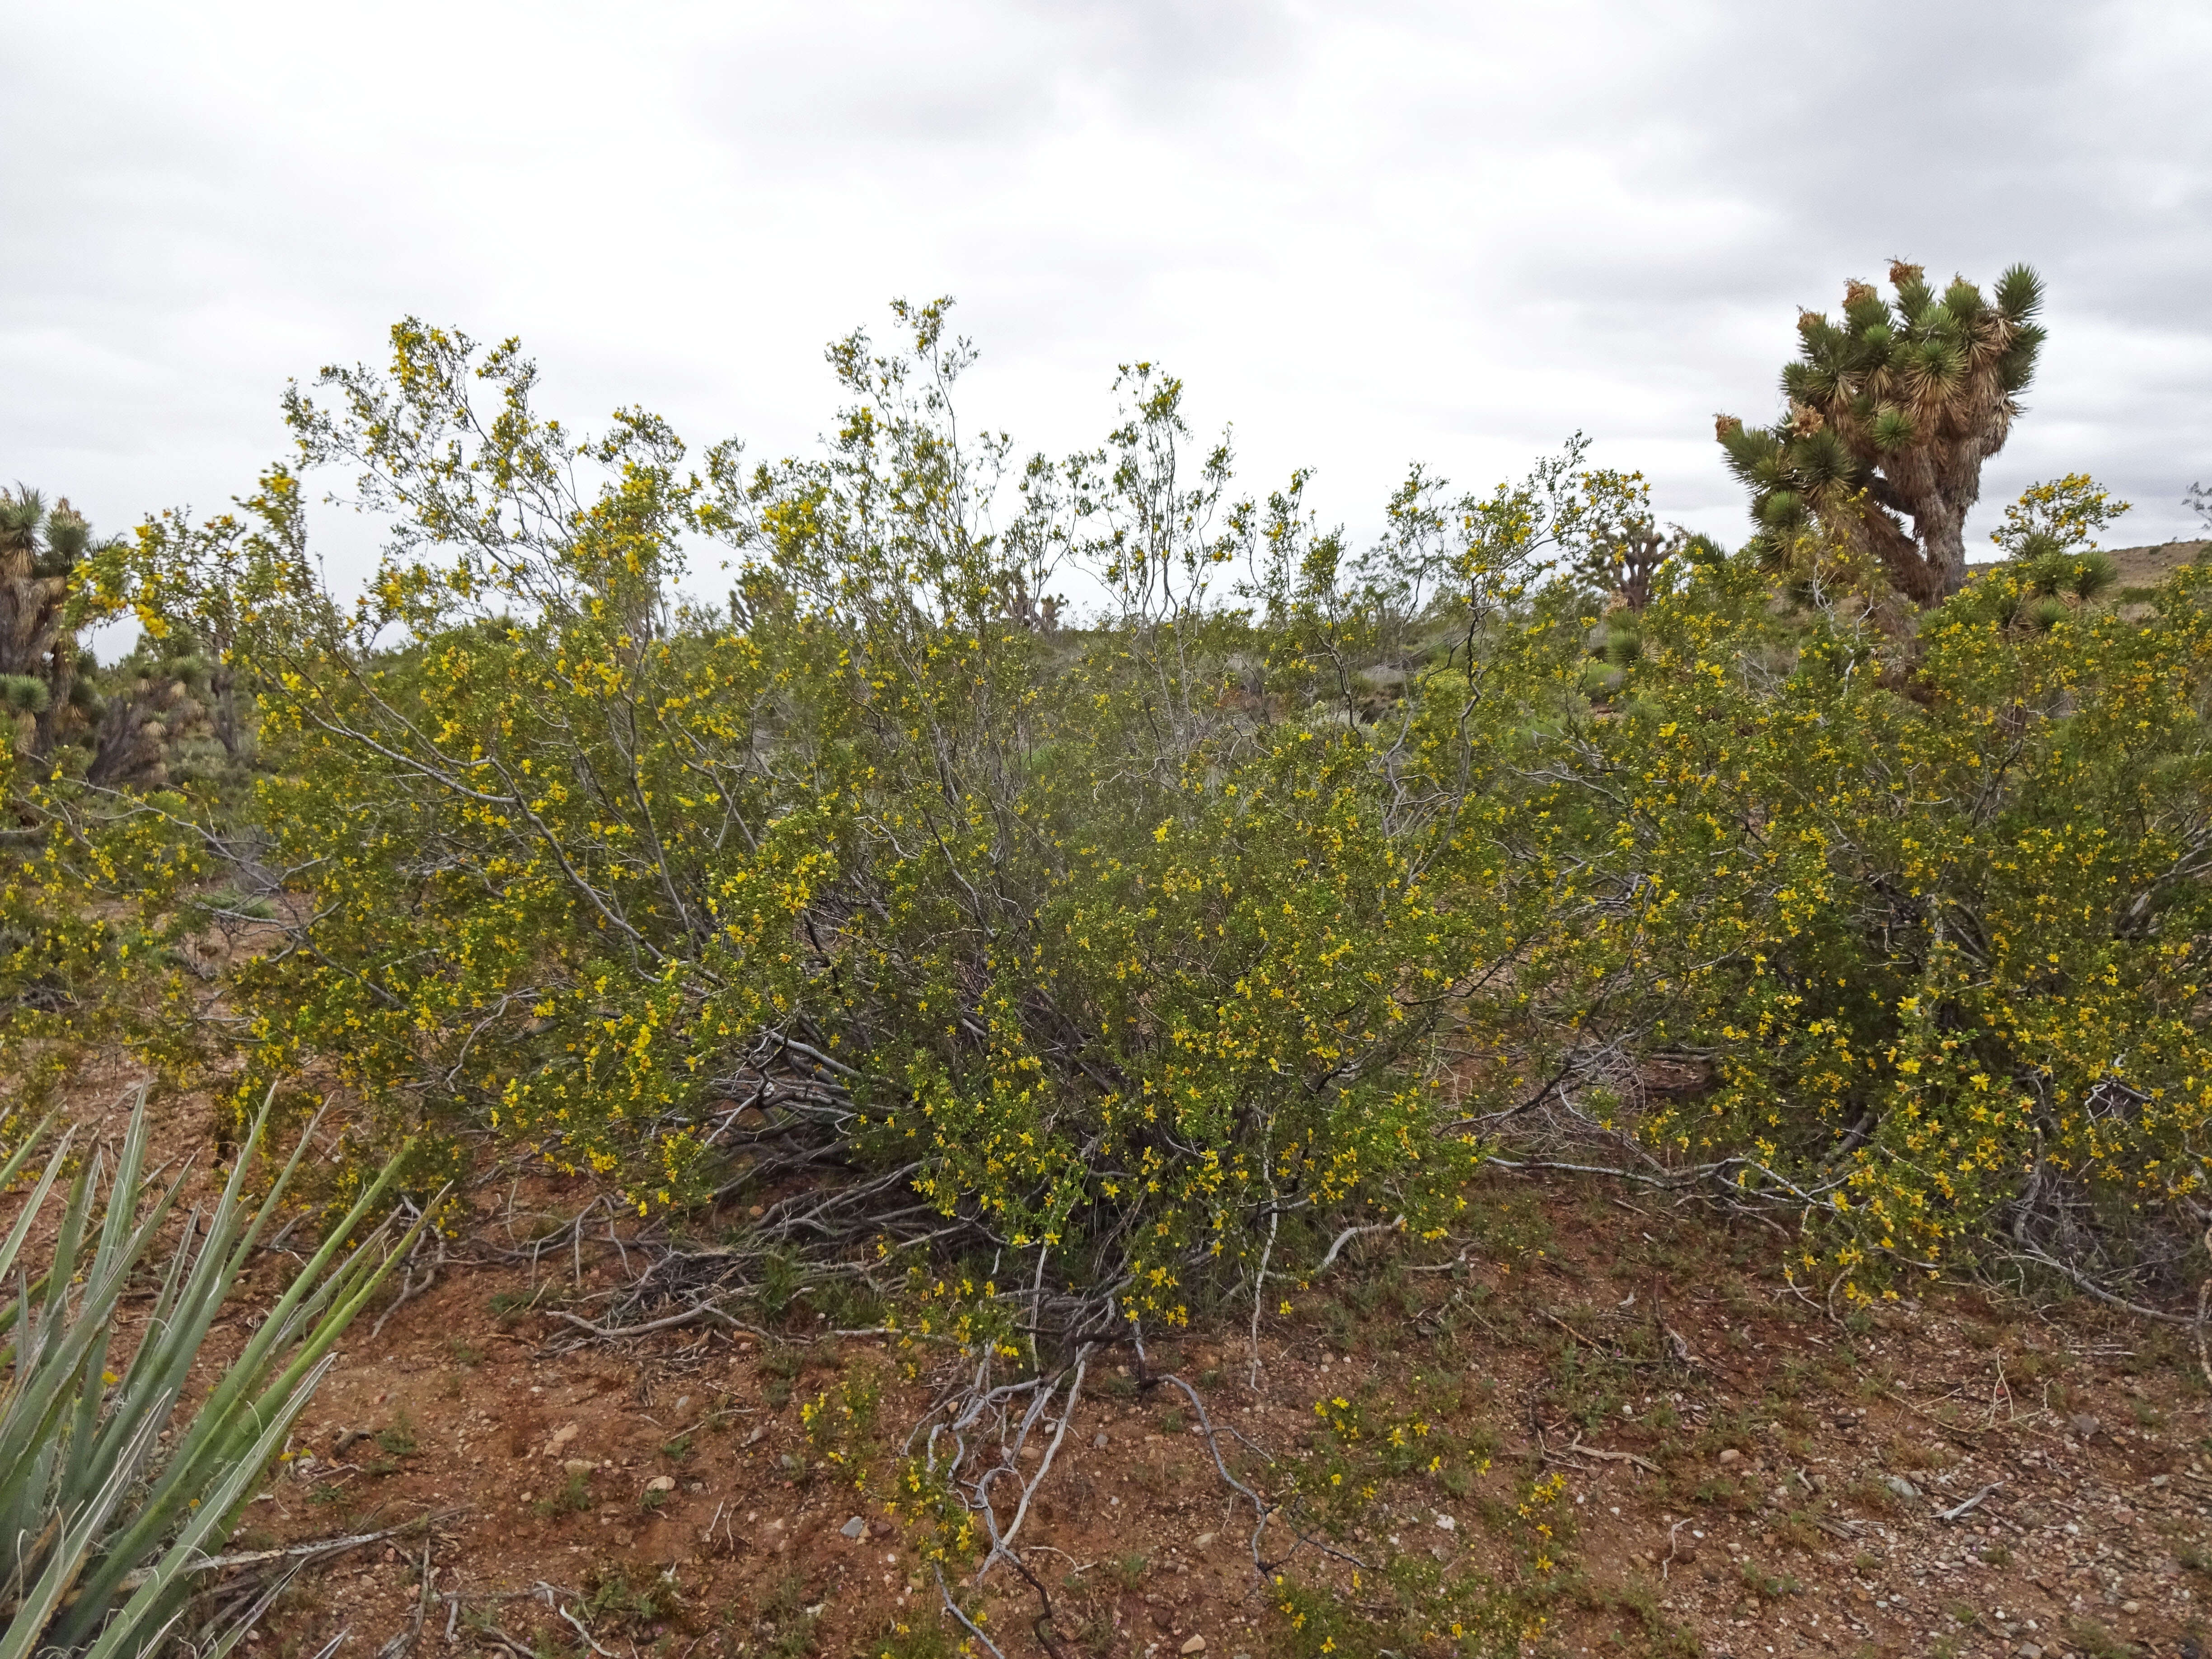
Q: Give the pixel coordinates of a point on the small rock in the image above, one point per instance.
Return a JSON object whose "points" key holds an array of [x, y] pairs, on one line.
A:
{"points": [[1099, 1438], [1445, 1522], [1730, 1455], [2131, 1608], [579, 1466], [789, 1461], [2028, 1651], [1204, 1539], [564, 1434], [759, 1434], [661, 1483], [855, 1528], [2161, 1481], [682, 1404], [1196, 1644], [2084, 1425], [1902, 1487]]}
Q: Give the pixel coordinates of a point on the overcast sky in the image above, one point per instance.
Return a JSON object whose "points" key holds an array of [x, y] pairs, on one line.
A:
{"points": [[1364, 235]]}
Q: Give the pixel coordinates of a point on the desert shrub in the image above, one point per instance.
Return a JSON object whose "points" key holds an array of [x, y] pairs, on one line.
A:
{"points": [[1156, 951], [88, 922], [1930, 905], [1119, 945]]}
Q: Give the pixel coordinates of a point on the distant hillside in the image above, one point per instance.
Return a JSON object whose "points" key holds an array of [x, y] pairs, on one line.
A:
{"points": [[2146, 566]]}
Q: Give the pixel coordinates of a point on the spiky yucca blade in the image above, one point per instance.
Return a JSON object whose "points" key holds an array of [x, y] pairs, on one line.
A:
{"points": [[2020, 293], [76, 1444], [215, 1442], [147, 1616], [225, 1416], [55, 1353], [78, 1534], [87, 1469]]}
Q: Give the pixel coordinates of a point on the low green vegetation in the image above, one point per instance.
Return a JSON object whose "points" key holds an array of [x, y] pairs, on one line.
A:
{"points": [[1042, 904], [109, 1500]]}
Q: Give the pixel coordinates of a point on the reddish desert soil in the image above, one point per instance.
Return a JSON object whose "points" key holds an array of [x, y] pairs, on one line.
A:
{"points": [[1746, 1474], [1800, 1466]]}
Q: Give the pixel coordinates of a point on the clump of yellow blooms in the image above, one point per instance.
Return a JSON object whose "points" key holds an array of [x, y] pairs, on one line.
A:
{"points": [[1929, 912], [1141, 959], [1153, 953]]}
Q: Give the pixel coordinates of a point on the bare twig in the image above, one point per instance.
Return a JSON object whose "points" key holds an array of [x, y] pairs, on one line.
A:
{"points": [[1959, 1510]]}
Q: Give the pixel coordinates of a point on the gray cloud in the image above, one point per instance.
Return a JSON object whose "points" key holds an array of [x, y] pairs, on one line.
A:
{"points": [[1367, 235]]}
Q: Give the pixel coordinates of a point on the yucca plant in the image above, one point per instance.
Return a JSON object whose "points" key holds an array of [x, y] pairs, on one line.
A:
{"points": [[1891, 414], [105, 1514], [40, 549]]}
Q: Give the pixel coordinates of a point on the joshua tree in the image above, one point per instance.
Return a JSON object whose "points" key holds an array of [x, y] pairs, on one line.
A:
{"points": [[1892, 414], [38, 551], [155, 706]]}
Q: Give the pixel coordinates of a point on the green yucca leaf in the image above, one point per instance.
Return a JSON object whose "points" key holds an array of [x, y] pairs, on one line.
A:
{"points": [[1938, 363], [21, 1229], [128, 1629], [1892, 429], [1822, 459], [2094, 574], [1748, 448], [2020, 293], [1867, 313], [20, 1159], [1772, 473], [80, 1529], [82, 1525], [2017, 366]]}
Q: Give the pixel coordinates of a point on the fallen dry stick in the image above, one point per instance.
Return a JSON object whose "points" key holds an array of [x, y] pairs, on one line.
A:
{"points": [[1643, 1463]]}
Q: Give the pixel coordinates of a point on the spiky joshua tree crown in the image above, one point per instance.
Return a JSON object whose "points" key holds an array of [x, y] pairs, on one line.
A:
{"points": [[1891, 415]]}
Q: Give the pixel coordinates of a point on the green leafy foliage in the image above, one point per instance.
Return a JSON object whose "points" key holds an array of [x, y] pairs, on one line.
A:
{"points": [[1930, 915], [2057, 516], [1153, 952], [103, 1524], [1122, 944]]}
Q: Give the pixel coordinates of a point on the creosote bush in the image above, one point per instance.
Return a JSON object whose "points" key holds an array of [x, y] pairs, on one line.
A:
{"points": [[1115, 947], [1092, 970]]}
